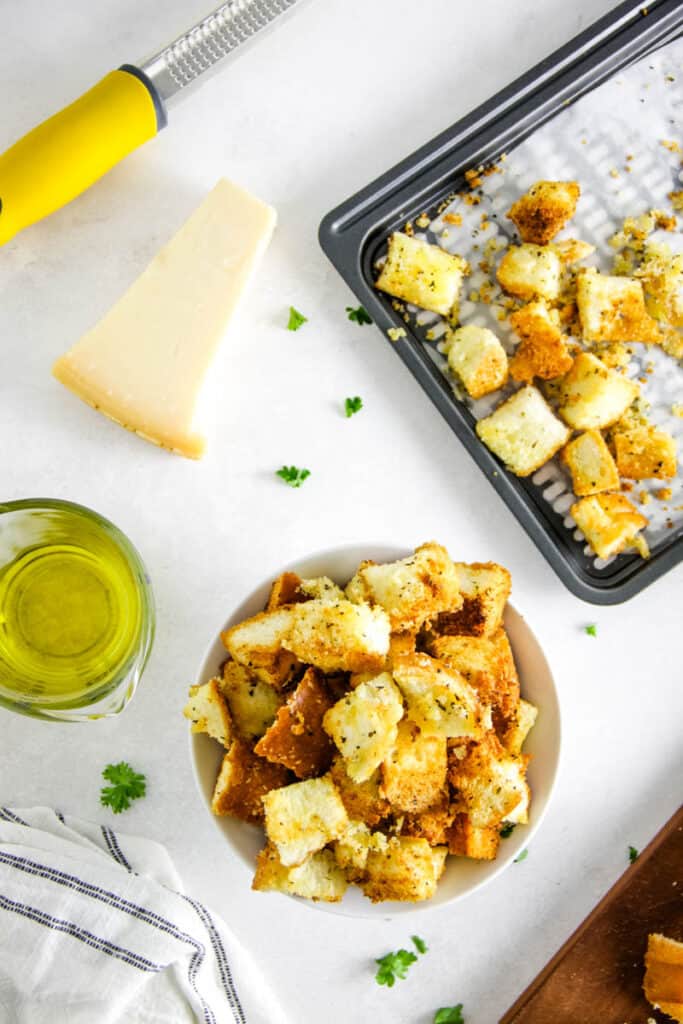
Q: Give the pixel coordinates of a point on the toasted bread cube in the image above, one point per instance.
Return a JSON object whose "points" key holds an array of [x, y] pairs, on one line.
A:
{"points": [[464, 840], [477, 358], [572, 250], [297, 739], [613, 308], [523, 432], [485, 589], [542, 351], [257, 643], [411, 590], [285, 590], [544, 210], [209, 712], [645, 452], [433, 824], [530, 271], [519, 727], [401, 644], [322, 588], [318, 878], [590, 464], [423, 274], [304, 817], [490, 782], [243, 781], [407, 870], [339, 636], [609, 522], [352, 848], [414, 773], [363, 725], [253, 704], [662, 275], [440, 701], [488, 666], [363, 800], [592, 396], [663, 981]]}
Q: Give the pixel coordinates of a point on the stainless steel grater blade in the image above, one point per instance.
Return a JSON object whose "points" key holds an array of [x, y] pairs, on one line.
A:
{"points": [[205, 45]]}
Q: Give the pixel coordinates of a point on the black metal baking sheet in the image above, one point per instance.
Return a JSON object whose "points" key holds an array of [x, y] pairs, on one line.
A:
{"points": [[353, 234]]}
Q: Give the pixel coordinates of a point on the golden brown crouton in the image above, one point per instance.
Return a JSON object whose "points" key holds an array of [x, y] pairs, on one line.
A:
{"points": [[663, 981], [530, 271], [408, 869], [609, 522], [253, 704], [423, 274], [297, 739], [477, 358], [662, 275], [338, 636], [572, 250], [257, 644], [544, 210], [411, 590], [353, 846], [519, 726], [400, 644], [243, 781], [209, 712], [644, 452], [590, 464], [363, 800], [613, 309], [363, 725], [285, 590], [523, 431], [485, 589], [414, 773], [440, 701], [433, 824], [543, 350], [303, 817], [464, 840], [318, 878], [592, 396], [489, 782]]}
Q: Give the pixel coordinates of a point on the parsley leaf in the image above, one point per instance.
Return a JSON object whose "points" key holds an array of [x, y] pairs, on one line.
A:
{"points": [[292, 475], [506, 829], [352, 405], [393, 966], [420, 944], [523, 856], [296, 319], [633, 854], [126, 785], [449, 1015], [359, 316], [592, 630]]}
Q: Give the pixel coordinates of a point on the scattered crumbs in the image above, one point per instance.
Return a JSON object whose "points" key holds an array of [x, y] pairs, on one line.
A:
{"points": [[665, 221], [669, 144], [614, 173], [444, 233], [663, 494], [453, 218], [473, 296], [669, 78], [397, 332], [644, 498], [429, 336], [584, 142], [408, 228], [677, 410], [626, 486], [423, 221], [676, 200]]}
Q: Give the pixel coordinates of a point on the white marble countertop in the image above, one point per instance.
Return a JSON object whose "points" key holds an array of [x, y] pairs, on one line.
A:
{"points": [[317, 109]]}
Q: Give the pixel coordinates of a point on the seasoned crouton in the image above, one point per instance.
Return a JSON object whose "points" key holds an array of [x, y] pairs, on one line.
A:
{"points": [[401, 644], [645, 452], [304, 817], [363, 725], [543, 350], [488, 666], [590, 464], [338, 636], [318, 878], [544, 210], [592, 396], [423, 274], [363, 800], [613, 309], [523, 432], [297, 739], [490, 782], [352, 848], [477, 358], [519, 727], [663, 981], [485, 589], [253, 704], [408, 869], [243, 781], [433, 824], [285, 590], [322, 588], [440, 701], [257, 643], [464, 840], [411, 590], [530, 271], [662, 275], [609, 522], [572, 250], [414, 773], [209, 712]]}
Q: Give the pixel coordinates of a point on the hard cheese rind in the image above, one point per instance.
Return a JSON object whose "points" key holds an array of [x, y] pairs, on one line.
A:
{"points": [[145, 363]]}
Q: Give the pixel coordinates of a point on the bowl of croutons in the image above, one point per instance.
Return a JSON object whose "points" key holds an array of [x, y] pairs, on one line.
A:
{"points": [[373, 729]]}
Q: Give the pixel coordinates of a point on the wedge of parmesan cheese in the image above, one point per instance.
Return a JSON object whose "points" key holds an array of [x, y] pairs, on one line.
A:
{"points": [[146, 362]]}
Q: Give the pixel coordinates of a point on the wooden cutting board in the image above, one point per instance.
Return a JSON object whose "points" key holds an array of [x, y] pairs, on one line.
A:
{"points": [[597, 976]]}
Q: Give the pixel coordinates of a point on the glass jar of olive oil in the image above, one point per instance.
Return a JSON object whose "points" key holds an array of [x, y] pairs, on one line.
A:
{"points": [[76, 612]]}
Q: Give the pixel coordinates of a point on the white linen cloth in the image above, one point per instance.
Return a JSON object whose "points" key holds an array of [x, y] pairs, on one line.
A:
{"points": [[95, 929]]}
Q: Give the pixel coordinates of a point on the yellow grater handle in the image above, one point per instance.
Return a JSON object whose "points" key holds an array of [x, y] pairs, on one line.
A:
{"points": [[66, 154]]}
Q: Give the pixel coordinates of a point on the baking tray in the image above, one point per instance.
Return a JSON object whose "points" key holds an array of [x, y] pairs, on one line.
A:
{"points": [[354, 235]]}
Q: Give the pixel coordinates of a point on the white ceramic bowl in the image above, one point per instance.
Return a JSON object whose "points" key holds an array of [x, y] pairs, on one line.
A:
{"points": [[461, 876]]}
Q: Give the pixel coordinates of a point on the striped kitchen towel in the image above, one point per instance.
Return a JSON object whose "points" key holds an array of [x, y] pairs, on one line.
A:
{"points": [[95, 929]]}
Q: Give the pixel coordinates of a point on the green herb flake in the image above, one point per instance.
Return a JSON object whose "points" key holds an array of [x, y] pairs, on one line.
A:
{"points": [[127, 785], [523, 856], [506, 829], [449, 1015], [353, 405], [633, 854], [591, 630], [393, 966], [296, 319], [292, 475], [420, 944], [359, 316]]}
